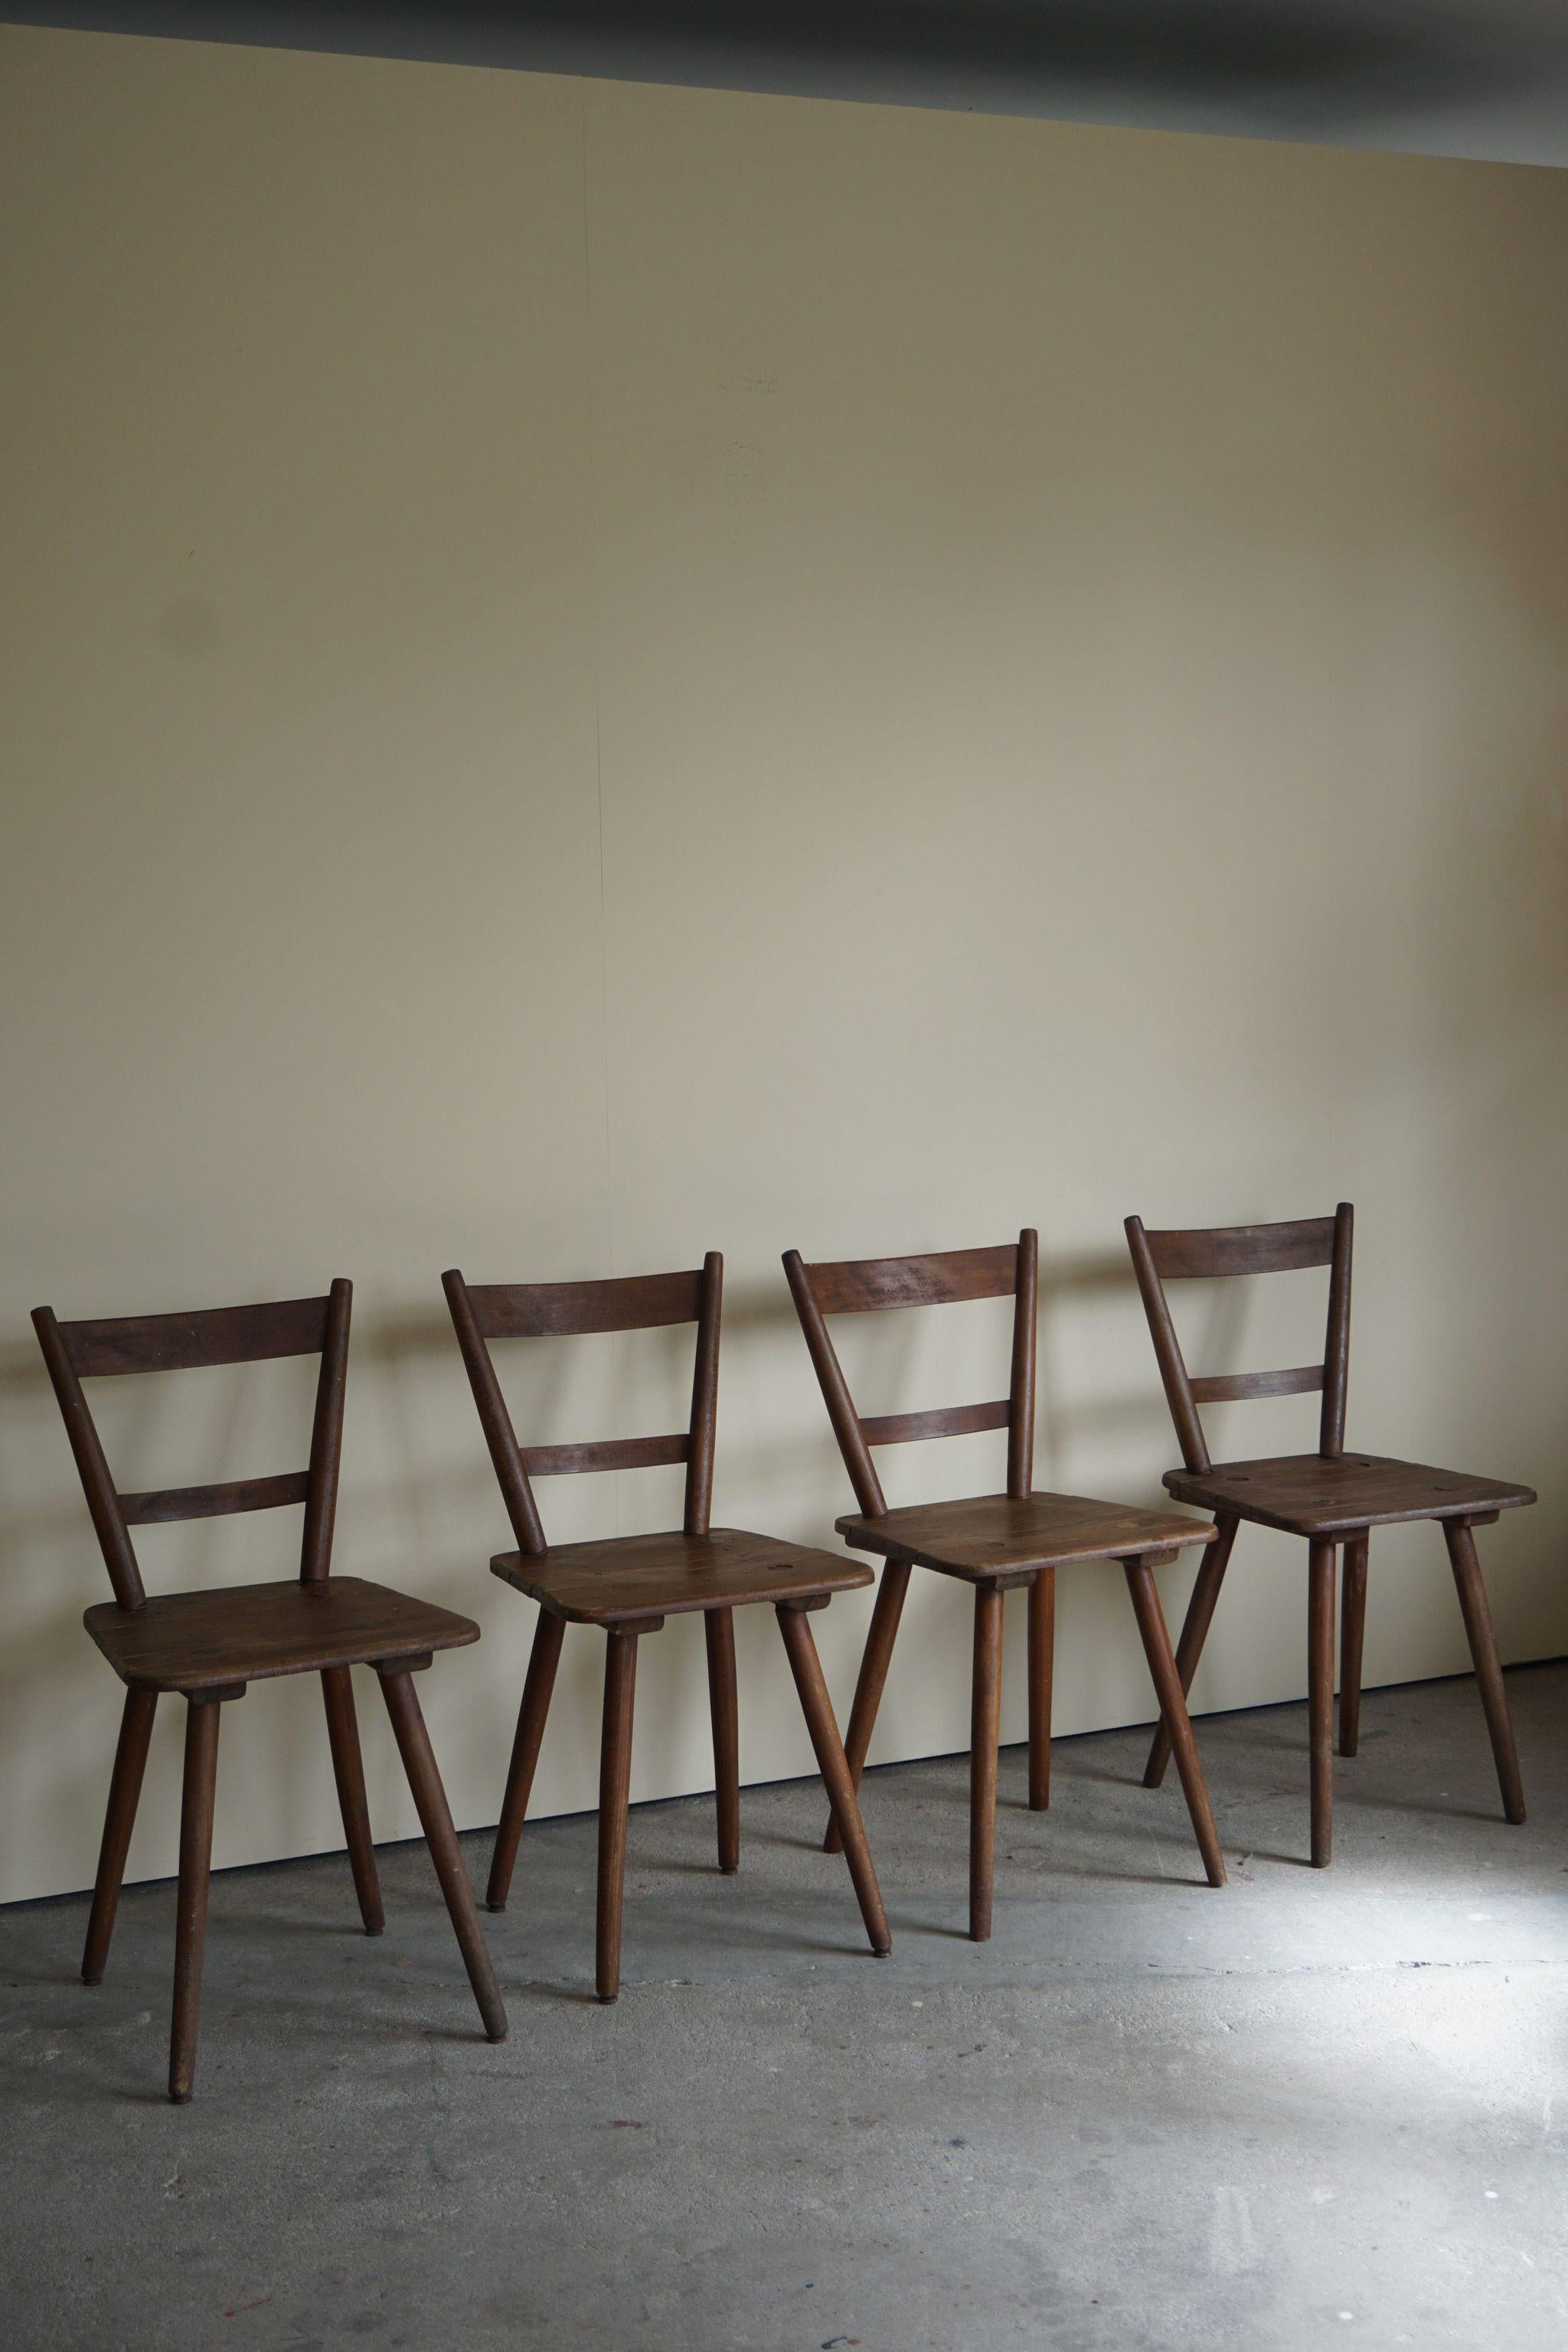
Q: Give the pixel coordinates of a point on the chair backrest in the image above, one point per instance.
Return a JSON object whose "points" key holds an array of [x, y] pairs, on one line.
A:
{"points": [[74, 1352], [866, 1285], [1219, 1250], [532, 1310]]}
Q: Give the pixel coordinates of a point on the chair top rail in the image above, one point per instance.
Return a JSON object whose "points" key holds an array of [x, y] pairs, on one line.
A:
{"points": [[865, 1286], [1213, 1251], [195, 1342], [536, 1310]]}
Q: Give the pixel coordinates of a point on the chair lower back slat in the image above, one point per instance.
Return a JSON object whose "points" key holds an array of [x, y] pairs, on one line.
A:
{"points": [[1235, 1388], [161, 1505], [942, 1420], [603, 1453]]}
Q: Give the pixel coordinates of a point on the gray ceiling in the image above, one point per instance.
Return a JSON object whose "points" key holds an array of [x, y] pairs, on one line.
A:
{"points": [[1479, 77]]}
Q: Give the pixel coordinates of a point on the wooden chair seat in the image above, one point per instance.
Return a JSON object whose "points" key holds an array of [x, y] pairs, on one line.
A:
{"points": [[202, 1640], [1324, 1495], [997, 1539], [624, 1579]]}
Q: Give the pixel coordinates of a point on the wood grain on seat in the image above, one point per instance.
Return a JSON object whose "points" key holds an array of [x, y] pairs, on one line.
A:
{"points": [[628, 1577], [986, 1536], [240, 1633], [1324, 1493]]}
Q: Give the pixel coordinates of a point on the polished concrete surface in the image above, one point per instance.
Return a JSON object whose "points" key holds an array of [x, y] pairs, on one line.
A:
{"points": [[1312, 2108]]}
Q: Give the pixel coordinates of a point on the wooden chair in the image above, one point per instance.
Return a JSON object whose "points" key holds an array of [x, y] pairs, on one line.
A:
{"points": [[207, 1647], [991, 1541], [630, 1584], [1330, 1498]]}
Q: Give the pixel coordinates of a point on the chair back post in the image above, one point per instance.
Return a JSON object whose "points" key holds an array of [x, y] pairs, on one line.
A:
{"points": [[494, 1419], [1336, 1345], [327, 1439], [1021, 1392], [102, 1501], [704, 1398], [835, 1389], [1168, 1355]]}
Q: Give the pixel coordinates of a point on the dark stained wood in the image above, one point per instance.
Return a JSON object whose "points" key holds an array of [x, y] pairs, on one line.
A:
{"points": [[832, 1763], [622, 1578], [161, 1505], [989, 1540], [1477, 1612], [874, 1663], [494, 1419], [1174, 1712], [559, 1310], [704, 1398], [603, 1454], [943, 1420], [249, 1632], [985, 1731], [119, 1820], [1337, 1344], [103, 1504], [987, 1535], [1214, 1250], [211, 1646], [615, 1789], [540, 1682], [864, 1286], [1329, 1496], [1042, 1656], [1021, 1385], [1321, 1494], [1168, 1354], [191, 1913], [628, 1584], [327, 1439], [441, 1838], [196, 1341], [1321, 1697], [1237, 1388], [1195, 1631], [1352, 1629], [719, 1630], [348, 1769]]}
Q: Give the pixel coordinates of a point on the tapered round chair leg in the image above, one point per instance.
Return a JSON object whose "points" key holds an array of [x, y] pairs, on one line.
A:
{"points": [[1478, 1616], [1174, 1712], [876, 1658], [834, 1765], [984, 1732], [1321, 1697], [538, 1684], [615, 1792], [191, 1916], [718, 1630], [119, 1820], [1352, 1629], [343, 1731], [435, 1821]]}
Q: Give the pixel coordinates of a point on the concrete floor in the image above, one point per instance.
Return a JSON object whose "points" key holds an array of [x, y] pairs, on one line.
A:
{"points": [[1310, 2109]]}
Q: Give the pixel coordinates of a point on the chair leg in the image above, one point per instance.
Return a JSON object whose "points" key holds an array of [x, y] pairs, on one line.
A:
{"points": [[834, 1765], [874, 1664], [985, 1731], [191, 1916], [1194, 1633], [1173, 1714], [1353, 1626], [719, 1630], [614, 1790], [435, 1821], [1477, 1619], [124, 1792], [1042, 1654], [343, 1731], [538, 1684], [1321, 1697]]}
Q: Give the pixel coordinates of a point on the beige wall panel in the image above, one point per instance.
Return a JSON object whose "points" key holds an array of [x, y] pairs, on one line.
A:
{"points": [[1058, 634], [1082, 688], [302, 897]]}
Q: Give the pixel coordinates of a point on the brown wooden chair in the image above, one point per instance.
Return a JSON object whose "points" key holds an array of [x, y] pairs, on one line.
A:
{"points": [[207, 1647], [630, 1584], [991, 1541], [1330, 1498]]}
